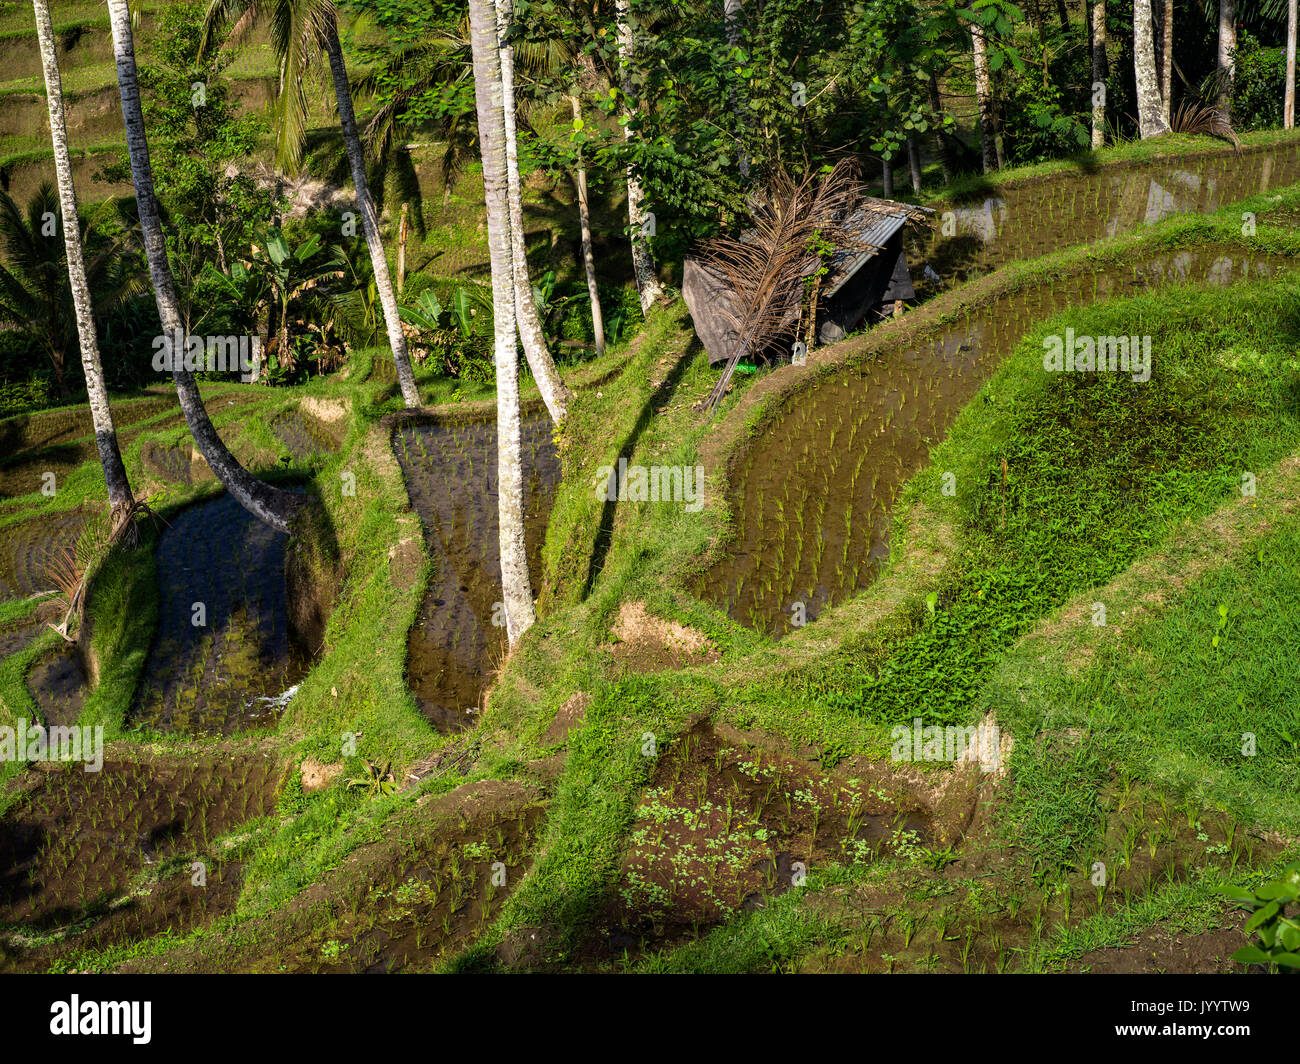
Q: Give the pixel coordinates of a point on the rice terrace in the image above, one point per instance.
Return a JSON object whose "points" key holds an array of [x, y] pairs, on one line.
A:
{"points": [[767, 486]]}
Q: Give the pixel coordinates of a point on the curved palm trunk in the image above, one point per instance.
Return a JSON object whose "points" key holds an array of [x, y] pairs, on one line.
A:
{"points": [[643, 263], [1151, 121], [369, 222], [983, 98], [268, 504], [489, 102], [554, 393], [1099, 72], [120, 498], [1227, 61], [588, 258]]}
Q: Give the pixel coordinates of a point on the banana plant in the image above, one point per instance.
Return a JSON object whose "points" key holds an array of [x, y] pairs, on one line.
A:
{"points": [[290, 272]]}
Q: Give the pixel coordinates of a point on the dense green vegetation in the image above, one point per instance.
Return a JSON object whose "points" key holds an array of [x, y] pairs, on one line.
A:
{"points": [[1101, 567]]}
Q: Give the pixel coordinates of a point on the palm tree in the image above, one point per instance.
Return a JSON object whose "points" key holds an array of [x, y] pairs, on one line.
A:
{"points": [[1288, 105], [643, 264], [1167, 60], [120, 499], [1099, 72], [984, 98], [300, 30], [489, 102], [549, 382], [36, 295], [1151, 122], [1226, 65], [268, 504], [446, 61], [584, 222]]}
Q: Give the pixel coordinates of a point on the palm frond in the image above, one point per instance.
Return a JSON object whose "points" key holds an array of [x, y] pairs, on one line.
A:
{"points": [[765, 266]]}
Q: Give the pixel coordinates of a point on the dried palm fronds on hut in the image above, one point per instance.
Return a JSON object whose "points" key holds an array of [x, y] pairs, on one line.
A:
{"points": [[818, 251]]}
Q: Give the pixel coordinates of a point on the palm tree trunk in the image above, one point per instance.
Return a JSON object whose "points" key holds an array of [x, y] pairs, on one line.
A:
{"points": [[549, 382], [733, 13], [489, 102], [1167, 61], [588, 258], [369, 221], [1151, 121], [936, 105], [120, 498], [268, 504], [984, 98], [1227, 62], [1099, 73], [1288, 103], [643, 263]]}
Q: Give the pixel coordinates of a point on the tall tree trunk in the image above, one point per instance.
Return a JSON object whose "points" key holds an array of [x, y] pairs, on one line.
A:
{"points": [[549, 382], [588, 258], [914, 163], [1063, 14], [401, 251], [1167, 61], [984, 98], [1288, 103], [733, 12], [268, 504], [887, 178], [1151, 121], [936, 105], [1226, 64], [489, 102], [120, 498], [643, 263], [369, 220], [1098, 73]]}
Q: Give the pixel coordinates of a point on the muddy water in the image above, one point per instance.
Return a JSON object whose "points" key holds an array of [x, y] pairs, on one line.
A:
{"points": [[1026, 222], [813, 495], [451, 478], [218, 677]]}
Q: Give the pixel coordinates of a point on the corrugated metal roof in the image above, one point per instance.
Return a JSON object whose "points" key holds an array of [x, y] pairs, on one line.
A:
{"points": [[873, 231]]}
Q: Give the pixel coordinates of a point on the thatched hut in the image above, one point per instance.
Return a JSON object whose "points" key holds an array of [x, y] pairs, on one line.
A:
{"points": [[867, 276]]}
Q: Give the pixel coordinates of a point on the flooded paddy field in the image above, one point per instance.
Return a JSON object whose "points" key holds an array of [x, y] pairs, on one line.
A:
{"points": [[220, 566], [812, 495], [29, 548], [990, 228], [451, 476], [95, 858]]}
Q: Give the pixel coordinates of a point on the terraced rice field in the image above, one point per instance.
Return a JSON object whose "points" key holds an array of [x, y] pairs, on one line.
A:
{"points": [[303, 435], [986, 231], [451, 477], [218, 564], [30, 547], [75, 842], [813, 494]]}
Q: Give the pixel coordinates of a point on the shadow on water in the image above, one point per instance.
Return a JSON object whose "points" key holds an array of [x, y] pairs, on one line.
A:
{"points": [[224, 651]]}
